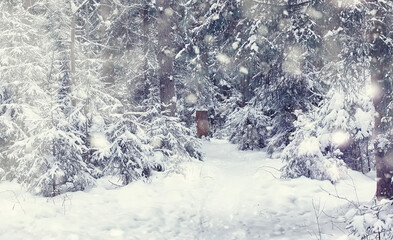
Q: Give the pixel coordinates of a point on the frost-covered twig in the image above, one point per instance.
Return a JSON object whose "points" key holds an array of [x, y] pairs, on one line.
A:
{"points": [[334, 223], [17, 201], [336, 195], [317, 213], [354, 189], [114, 184], [262, 167], [65, 198]]}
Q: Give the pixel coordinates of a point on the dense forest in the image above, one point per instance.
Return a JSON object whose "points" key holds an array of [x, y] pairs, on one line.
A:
{"points": [[93, 88]]}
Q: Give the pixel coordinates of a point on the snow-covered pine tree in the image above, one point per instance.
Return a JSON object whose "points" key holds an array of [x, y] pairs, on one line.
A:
{"points": [[195, 91], [306, 154], [128, 155], [374, 220], [23, 68], [208, 30], [14, 43], [92, 100], [246, 123], [8, 136], [171, 140], [286, 40], [340, 129], [249, 127], [319, 148], [47, 158], [63, 167], [121, 147]]}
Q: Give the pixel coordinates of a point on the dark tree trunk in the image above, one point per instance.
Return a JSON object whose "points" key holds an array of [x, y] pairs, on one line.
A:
{"points": [[165, 58], [380, 64], [108, 69], [245, 89], [72, 47], [145, 39]]}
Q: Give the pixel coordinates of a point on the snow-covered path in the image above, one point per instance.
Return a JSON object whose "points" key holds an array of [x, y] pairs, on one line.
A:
{"points": [[231, 195]]}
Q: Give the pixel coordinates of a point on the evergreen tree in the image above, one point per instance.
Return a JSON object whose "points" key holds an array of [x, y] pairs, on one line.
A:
{"points": [[23, 70], [341, 127]]}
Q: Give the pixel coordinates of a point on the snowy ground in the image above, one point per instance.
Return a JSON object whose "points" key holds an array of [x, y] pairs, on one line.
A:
{"points": [[231, 195]]}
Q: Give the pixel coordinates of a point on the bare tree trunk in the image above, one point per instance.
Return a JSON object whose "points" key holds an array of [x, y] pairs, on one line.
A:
{"points": [[380, 65], [145, 41], [165, 58], [87, 100], [245, 89], [203, 49], [73, 47], [108, 69]]}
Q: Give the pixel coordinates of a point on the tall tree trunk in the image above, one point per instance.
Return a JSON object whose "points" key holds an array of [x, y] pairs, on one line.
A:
{"points": [[145, 39], [380, 65], [165, 58], [72, 48], [245, 89], [86, 106], [108, 69]]}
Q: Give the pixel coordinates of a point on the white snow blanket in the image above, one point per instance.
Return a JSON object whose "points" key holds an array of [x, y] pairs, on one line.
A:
{"points": [[231, 195]]}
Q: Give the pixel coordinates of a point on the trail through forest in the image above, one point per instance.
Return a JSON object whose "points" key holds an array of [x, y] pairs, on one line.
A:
{"points": [[230, 195]]}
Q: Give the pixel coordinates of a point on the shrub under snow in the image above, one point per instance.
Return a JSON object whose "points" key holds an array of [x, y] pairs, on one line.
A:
{"points": [[329, 139], [306, 156], [247, 127], [372, 222]]}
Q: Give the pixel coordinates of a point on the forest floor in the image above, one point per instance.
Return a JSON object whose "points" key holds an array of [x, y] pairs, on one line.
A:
{"points": [[230, 195]]}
